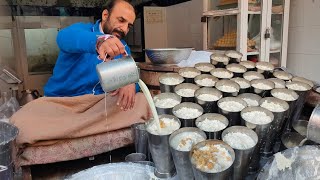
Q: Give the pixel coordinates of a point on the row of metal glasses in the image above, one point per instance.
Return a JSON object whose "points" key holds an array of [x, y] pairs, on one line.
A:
{"points": [[260, 99]]}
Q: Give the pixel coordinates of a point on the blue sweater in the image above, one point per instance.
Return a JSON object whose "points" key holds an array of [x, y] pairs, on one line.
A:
{"points": [[75, 73]]}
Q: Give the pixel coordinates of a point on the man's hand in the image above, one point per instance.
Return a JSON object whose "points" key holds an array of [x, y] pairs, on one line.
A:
{"points": [[111, 47], [126, 96]]}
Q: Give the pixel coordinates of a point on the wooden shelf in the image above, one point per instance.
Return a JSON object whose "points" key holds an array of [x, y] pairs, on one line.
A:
{"points": [[225, 12], [257, 52]]}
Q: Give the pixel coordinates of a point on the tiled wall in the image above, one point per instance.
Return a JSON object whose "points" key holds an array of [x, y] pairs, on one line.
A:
{"points": [[304, 39]]}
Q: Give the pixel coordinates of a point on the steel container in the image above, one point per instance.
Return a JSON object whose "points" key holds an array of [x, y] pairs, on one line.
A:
{"points": [[116, 74], [221, 73], [252, 75], [276, 125], [189, 79], [187, 122], [168, 55], [243, 83], [233, 116], [205, 68], [277, 93], [236, 69], [199, 80], [278, 83], [297, 109], [300, 127], [160, 151], [290, 140], [140, 137], [216, 134], [283, 75], [262, 91], [242, 156], [220, 85], [181, 158], [163, 96], [251, 99], [262, 130], [234, 56], [8, 134], [186, 97], [251, 66], [219, 60], [209, 106], [202, 175], [165, 86], [265, 68], [313, 129]]}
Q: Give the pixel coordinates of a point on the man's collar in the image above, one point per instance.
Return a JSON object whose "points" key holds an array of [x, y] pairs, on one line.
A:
{"points": [[96, 27]]}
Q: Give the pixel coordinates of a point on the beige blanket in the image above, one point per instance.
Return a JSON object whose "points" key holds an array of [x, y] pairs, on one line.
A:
{"points": [[47, 120]]}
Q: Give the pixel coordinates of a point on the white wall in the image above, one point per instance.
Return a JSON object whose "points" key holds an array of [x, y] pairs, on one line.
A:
{"points": [[179, 26], [304, 39]]}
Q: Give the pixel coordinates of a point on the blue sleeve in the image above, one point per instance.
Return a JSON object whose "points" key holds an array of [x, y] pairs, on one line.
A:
{"points": [[77, 38]]}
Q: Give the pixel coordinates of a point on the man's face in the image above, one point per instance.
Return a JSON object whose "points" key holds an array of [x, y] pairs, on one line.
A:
{"points": [[119, 21]]}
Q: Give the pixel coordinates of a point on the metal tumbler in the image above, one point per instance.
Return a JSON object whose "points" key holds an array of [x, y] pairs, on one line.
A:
{"points": [[160, 150], [181, 157], [278, 122], [242, 156], [115, 74], [202, 98], [169, 81]]}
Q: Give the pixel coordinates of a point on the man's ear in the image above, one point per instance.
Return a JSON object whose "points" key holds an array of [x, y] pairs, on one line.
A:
{"points": [[105, 14]]}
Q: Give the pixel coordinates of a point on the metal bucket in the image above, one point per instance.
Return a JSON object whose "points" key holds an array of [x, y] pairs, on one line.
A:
{"points": [[313, 130], [205, 68], [199, 80], [251, 99], [8, 134], [265, 68], [117, 73], [243, 83], [181, 158], [219, 60], [242, 156], [217, 73]]}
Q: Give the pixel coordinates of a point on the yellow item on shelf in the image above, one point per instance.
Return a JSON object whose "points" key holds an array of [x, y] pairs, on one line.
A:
{"points": [[229, 40]]}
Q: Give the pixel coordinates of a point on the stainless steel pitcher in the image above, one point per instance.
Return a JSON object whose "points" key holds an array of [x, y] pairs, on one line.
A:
{"points": [[115, 74]]}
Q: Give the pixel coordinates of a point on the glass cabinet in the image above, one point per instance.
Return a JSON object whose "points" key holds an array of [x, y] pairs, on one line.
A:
{"points": [[256, 28]]}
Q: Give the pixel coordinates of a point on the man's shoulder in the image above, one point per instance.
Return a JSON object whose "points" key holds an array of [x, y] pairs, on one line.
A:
{"points": [[82, 25]]}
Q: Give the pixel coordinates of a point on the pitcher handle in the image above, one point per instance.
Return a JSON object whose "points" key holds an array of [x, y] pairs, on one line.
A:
{"points": [[36, 92], [3, 168]]}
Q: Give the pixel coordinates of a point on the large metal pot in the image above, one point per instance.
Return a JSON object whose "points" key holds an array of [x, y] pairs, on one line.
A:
{"points": [[8, 134]]}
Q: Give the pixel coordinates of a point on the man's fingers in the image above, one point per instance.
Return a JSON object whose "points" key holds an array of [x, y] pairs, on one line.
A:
{"points": [[121, 48], [120, 99], [113, 93], [126, 101], [133, 98]]}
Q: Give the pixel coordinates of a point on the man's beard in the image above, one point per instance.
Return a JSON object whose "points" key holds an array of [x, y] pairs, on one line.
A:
{"points": [[116, 32]]}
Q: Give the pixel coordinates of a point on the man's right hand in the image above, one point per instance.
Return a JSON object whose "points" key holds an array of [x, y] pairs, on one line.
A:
{"points": [[111, 48]]}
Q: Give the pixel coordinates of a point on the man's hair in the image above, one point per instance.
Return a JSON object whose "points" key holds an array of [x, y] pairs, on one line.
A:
{"points": [[109, 5]]}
